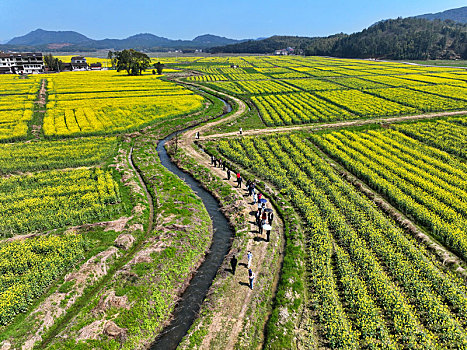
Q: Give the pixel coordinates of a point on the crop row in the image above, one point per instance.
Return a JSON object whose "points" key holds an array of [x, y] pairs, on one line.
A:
{"points": [[114, 114], [297, 108], [85, 103], [314, 84], [16, 106], [423, 101], [435, 79], [210, 77], [43, 155], [429, 185], [288, 75], [447, 136], [456, 92], [265, 87], [373, 286], [54, 199], [364, 104], [28, 267]]}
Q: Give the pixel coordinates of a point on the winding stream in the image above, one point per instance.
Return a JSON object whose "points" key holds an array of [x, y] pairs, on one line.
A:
{"points": [[187, 309]]}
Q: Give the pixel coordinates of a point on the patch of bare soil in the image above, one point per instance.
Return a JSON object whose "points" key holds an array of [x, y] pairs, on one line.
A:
{"points": [[124, 241], [91, 331], [5, 345], [53, 307], [117, 225]]}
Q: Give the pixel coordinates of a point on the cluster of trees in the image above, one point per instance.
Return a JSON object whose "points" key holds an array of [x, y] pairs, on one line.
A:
{"points": [[133, 62], [266, 45], [53, 63], [401, 38], [408, 38]]}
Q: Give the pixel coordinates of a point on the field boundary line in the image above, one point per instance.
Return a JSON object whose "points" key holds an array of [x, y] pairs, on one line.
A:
{"points": [[348, 123]]}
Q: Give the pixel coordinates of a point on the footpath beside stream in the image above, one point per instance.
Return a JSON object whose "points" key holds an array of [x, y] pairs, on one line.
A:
{"points": [[191, 300]]}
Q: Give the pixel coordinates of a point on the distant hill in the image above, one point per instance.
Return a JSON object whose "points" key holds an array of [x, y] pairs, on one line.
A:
{"points": [[43, 37], [457, 15], [402, 38], [267, 45], [45, 40], [213, 40]]}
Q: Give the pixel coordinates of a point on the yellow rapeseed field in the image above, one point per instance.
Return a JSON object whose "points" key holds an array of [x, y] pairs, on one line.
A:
{"points": [[83, 103]]}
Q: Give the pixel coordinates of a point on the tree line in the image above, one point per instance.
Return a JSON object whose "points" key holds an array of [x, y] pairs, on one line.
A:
{"points": [[401, 38], [131, 61]]}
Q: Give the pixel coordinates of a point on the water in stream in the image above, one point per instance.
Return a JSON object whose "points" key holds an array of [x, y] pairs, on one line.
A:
{"points": [[190, 303]]}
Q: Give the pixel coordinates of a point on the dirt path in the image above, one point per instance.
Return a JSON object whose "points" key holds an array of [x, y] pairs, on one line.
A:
{"points": [[143, 186], [230, 316], [187, 138], [37, 124], [354, 122]]}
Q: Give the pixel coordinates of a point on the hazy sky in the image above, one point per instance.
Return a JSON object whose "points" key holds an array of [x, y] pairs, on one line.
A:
{"points": [[185, 19]]}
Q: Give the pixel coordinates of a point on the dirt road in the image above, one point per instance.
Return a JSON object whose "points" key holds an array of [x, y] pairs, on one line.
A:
{"points": [[354, 122]]}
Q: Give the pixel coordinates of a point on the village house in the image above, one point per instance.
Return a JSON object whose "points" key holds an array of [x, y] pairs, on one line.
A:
{"points": [[79, 63], [21, 63], [95, 66]]}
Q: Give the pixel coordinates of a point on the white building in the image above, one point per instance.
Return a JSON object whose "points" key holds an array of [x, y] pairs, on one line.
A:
{"points": [[21, 63]]}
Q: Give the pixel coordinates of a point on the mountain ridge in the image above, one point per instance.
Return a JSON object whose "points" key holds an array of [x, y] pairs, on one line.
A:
{"points": [[71, 40], [458, 15]]}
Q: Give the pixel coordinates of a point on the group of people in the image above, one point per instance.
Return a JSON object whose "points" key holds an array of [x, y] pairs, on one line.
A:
{"points": [[264, 216], [251, 274], [217, 162]]}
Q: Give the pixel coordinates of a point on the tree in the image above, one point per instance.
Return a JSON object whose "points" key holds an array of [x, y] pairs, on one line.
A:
{"points": [[159, 66], [111, 57], [53, 63], [132, 61]]}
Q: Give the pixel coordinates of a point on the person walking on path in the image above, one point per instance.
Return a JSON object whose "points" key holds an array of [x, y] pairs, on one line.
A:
{"points": [[197, 135], [259, 196], [251, 278], [255, 198], [212, 160], [240, 131], [260, 228], [268, 233], [249, 257], [270, 217], [253, 186], [228, 174], [239, 182], [220, 162], [263, 218], [223, 166], [258, 216], [233, 264]]}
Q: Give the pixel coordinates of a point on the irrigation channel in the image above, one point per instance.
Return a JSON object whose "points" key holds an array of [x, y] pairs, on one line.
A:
{"points": [[191, 300]]}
